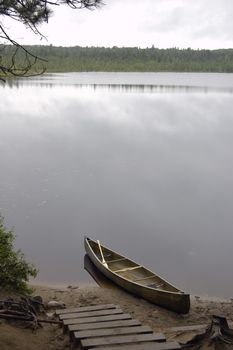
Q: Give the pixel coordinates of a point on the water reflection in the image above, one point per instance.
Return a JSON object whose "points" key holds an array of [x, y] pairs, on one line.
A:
{"points": [[98, 277], [160, 84], [217, 80], [148, 174]]}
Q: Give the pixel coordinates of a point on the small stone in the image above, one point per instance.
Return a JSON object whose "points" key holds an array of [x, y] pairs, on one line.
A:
{"points": [[53, 304], [72, 287]]}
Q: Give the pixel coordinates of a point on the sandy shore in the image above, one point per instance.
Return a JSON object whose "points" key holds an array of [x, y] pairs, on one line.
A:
{"points": [[50, 337]]}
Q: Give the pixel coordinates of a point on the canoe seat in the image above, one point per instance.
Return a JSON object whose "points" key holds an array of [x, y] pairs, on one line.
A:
{"points": [[128, 268], [143, 278]]}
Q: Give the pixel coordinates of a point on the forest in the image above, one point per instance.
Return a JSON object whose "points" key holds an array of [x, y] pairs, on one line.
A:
{"points": [[124, 59]]}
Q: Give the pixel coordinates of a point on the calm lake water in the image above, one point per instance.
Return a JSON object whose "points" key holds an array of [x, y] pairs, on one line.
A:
{"points": [[141, 161]]}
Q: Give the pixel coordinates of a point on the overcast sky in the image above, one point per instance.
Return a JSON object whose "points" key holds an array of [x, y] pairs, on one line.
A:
{"points": [[162, 23]]}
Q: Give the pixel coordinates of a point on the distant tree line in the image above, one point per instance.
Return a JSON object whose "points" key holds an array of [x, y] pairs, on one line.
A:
{"points": [[129, 59]]}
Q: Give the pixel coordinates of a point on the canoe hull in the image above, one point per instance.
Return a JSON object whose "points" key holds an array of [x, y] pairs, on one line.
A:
{"points": [[177, 302]]}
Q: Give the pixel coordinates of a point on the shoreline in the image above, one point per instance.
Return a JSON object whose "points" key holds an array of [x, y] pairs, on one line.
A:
{"points": [[50, 337], [76, 285], [62, 285], [202, 307]]}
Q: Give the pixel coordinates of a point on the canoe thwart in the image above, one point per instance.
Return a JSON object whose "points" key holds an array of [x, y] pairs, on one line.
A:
{"points": [[115, 260], [128, 269]]}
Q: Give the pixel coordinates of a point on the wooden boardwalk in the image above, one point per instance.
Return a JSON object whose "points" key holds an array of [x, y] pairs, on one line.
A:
{"points": [[107, 327]]}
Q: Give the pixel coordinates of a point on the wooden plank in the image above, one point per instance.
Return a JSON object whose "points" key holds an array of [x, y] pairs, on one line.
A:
{"points": [[112, 331], [100, 325], [122, 339], [96, 319], [91, 314], [145, 346], [87, 308], [187, 328], [196, 327]]}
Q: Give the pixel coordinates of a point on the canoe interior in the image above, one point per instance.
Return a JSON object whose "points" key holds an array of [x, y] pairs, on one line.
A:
{"points": [[130, 270]]}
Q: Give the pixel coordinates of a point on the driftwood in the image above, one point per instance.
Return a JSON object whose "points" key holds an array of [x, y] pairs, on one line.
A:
{"points": [[12, 316], [50, 321], [8, 316], [217, 336], [25, 310]]}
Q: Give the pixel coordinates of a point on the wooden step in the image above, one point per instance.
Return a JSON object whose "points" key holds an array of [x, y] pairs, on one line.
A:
{"points": [[96, 319], [87, 308], [100, 325], [91, 313], [112, 332], [122, 339], [145, 346]]}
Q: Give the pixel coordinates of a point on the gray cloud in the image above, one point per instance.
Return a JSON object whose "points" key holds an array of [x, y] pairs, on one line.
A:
{"points": [[209, 19], [164, 23]]}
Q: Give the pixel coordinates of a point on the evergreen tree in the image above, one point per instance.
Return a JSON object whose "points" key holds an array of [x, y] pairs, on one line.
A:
{"points": [[31, 13]]}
